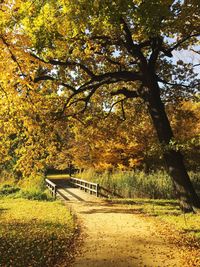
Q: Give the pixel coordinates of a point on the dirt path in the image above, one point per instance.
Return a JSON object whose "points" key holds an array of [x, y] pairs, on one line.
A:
{"points": [[120, 236], [117, 236]]}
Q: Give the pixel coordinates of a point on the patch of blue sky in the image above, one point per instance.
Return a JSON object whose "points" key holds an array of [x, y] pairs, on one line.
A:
{"points": [[189, 56]]}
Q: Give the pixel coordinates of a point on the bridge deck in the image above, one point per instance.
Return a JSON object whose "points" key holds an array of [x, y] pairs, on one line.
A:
{"points": [[68, 192]]}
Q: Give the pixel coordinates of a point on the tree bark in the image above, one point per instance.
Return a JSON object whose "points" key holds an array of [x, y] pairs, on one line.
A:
{"points": [[184, 189]]}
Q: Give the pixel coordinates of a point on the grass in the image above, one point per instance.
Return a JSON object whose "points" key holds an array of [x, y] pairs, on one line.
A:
{"points": [[35, 233], [137, 184], [167, 211]]}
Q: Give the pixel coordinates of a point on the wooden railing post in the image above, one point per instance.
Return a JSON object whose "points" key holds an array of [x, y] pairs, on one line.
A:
{"points": [[55, 191], [97, 188], [89, 187], [52, 187]]}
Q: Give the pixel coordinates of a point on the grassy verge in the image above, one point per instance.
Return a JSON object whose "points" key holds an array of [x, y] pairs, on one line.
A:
{"points": [[166, 210], [137, 184], [35, 233]]}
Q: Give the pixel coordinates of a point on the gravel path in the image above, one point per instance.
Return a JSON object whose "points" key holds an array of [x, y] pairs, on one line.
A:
{"points": [[118, 236]]}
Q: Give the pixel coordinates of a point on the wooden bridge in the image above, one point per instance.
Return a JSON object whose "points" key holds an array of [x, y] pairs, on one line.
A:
{"points": [[75, 189]]}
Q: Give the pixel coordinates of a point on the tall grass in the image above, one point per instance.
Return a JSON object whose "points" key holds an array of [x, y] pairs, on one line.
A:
{"points": [[137, 184]]}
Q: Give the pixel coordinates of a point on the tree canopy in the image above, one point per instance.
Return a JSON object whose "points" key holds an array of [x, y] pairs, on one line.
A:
{"points": [[90, 44]]}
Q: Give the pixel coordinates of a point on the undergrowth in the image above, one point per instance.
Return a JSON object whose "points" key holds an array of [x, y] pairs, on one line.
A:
{"points": [[30, 188], [133, 184]]}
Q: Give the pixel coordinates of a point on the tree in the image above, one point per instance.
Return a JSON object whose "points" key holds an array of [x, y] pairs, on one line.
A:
{"points": [[112, 139], [185, 121], [30, 138], [125, 139], [120, 47]]}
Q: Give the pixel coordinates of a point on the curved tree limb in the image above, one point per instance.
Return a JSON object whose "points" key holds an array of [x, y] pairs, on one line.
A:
{"points": [[127, 93], [112, 106], [12, 55], [65, 64], [169, 51], [178, 84]]}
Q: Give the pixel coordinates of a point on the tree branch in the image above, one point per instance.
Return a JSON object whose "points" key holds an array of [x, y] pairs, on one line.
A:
{"points": [[98, 81], [65, 64], [128, 35], [127, 93], [12, 55], [169, 51], [133, 49], [112, 106], [197, 52], [123, 111], [178, 84], [110, 60], [105, 40], [156, 44], [50, 78], [85, 99]]}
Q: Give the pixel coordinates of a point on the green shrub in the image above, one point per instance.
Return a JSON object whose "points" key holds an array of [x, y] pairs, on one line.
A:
{"points": [[34, 194], [33, 188], [36, 182], [27, 189], [8, 189]]}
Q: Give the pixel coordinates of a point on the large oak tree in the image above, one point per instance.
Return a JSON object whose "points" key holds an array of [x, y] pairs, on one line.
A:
{"points": [[123, 47]]}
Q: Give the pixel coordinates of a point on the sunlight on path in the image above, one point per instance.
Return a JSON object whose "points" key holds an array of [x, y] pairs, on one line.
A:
{"points": [[117, 236]]}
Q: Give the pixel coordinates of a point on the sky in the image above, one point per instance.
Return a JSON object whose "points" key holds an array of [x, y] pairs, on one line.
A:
{"points": [[188, 56]]}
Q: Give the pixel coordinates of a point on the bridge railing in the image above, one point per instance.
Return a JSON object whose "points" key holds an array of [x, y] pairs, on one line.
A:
{"points": [[92, 188], [107, 193], [52, 187], [89, 187]]}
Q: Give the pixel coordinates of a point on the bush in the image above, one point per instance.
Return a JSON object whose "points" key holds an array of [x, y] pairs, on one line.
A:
{"points": [[34, 195], [8, 189], [33, 188], [34, 182], [195, 177], [30, 188]]}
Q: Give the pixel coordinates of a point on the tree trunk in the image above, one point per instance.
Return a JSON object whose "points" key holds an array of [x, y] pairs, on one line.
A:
{"points": [[185, 192]]}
